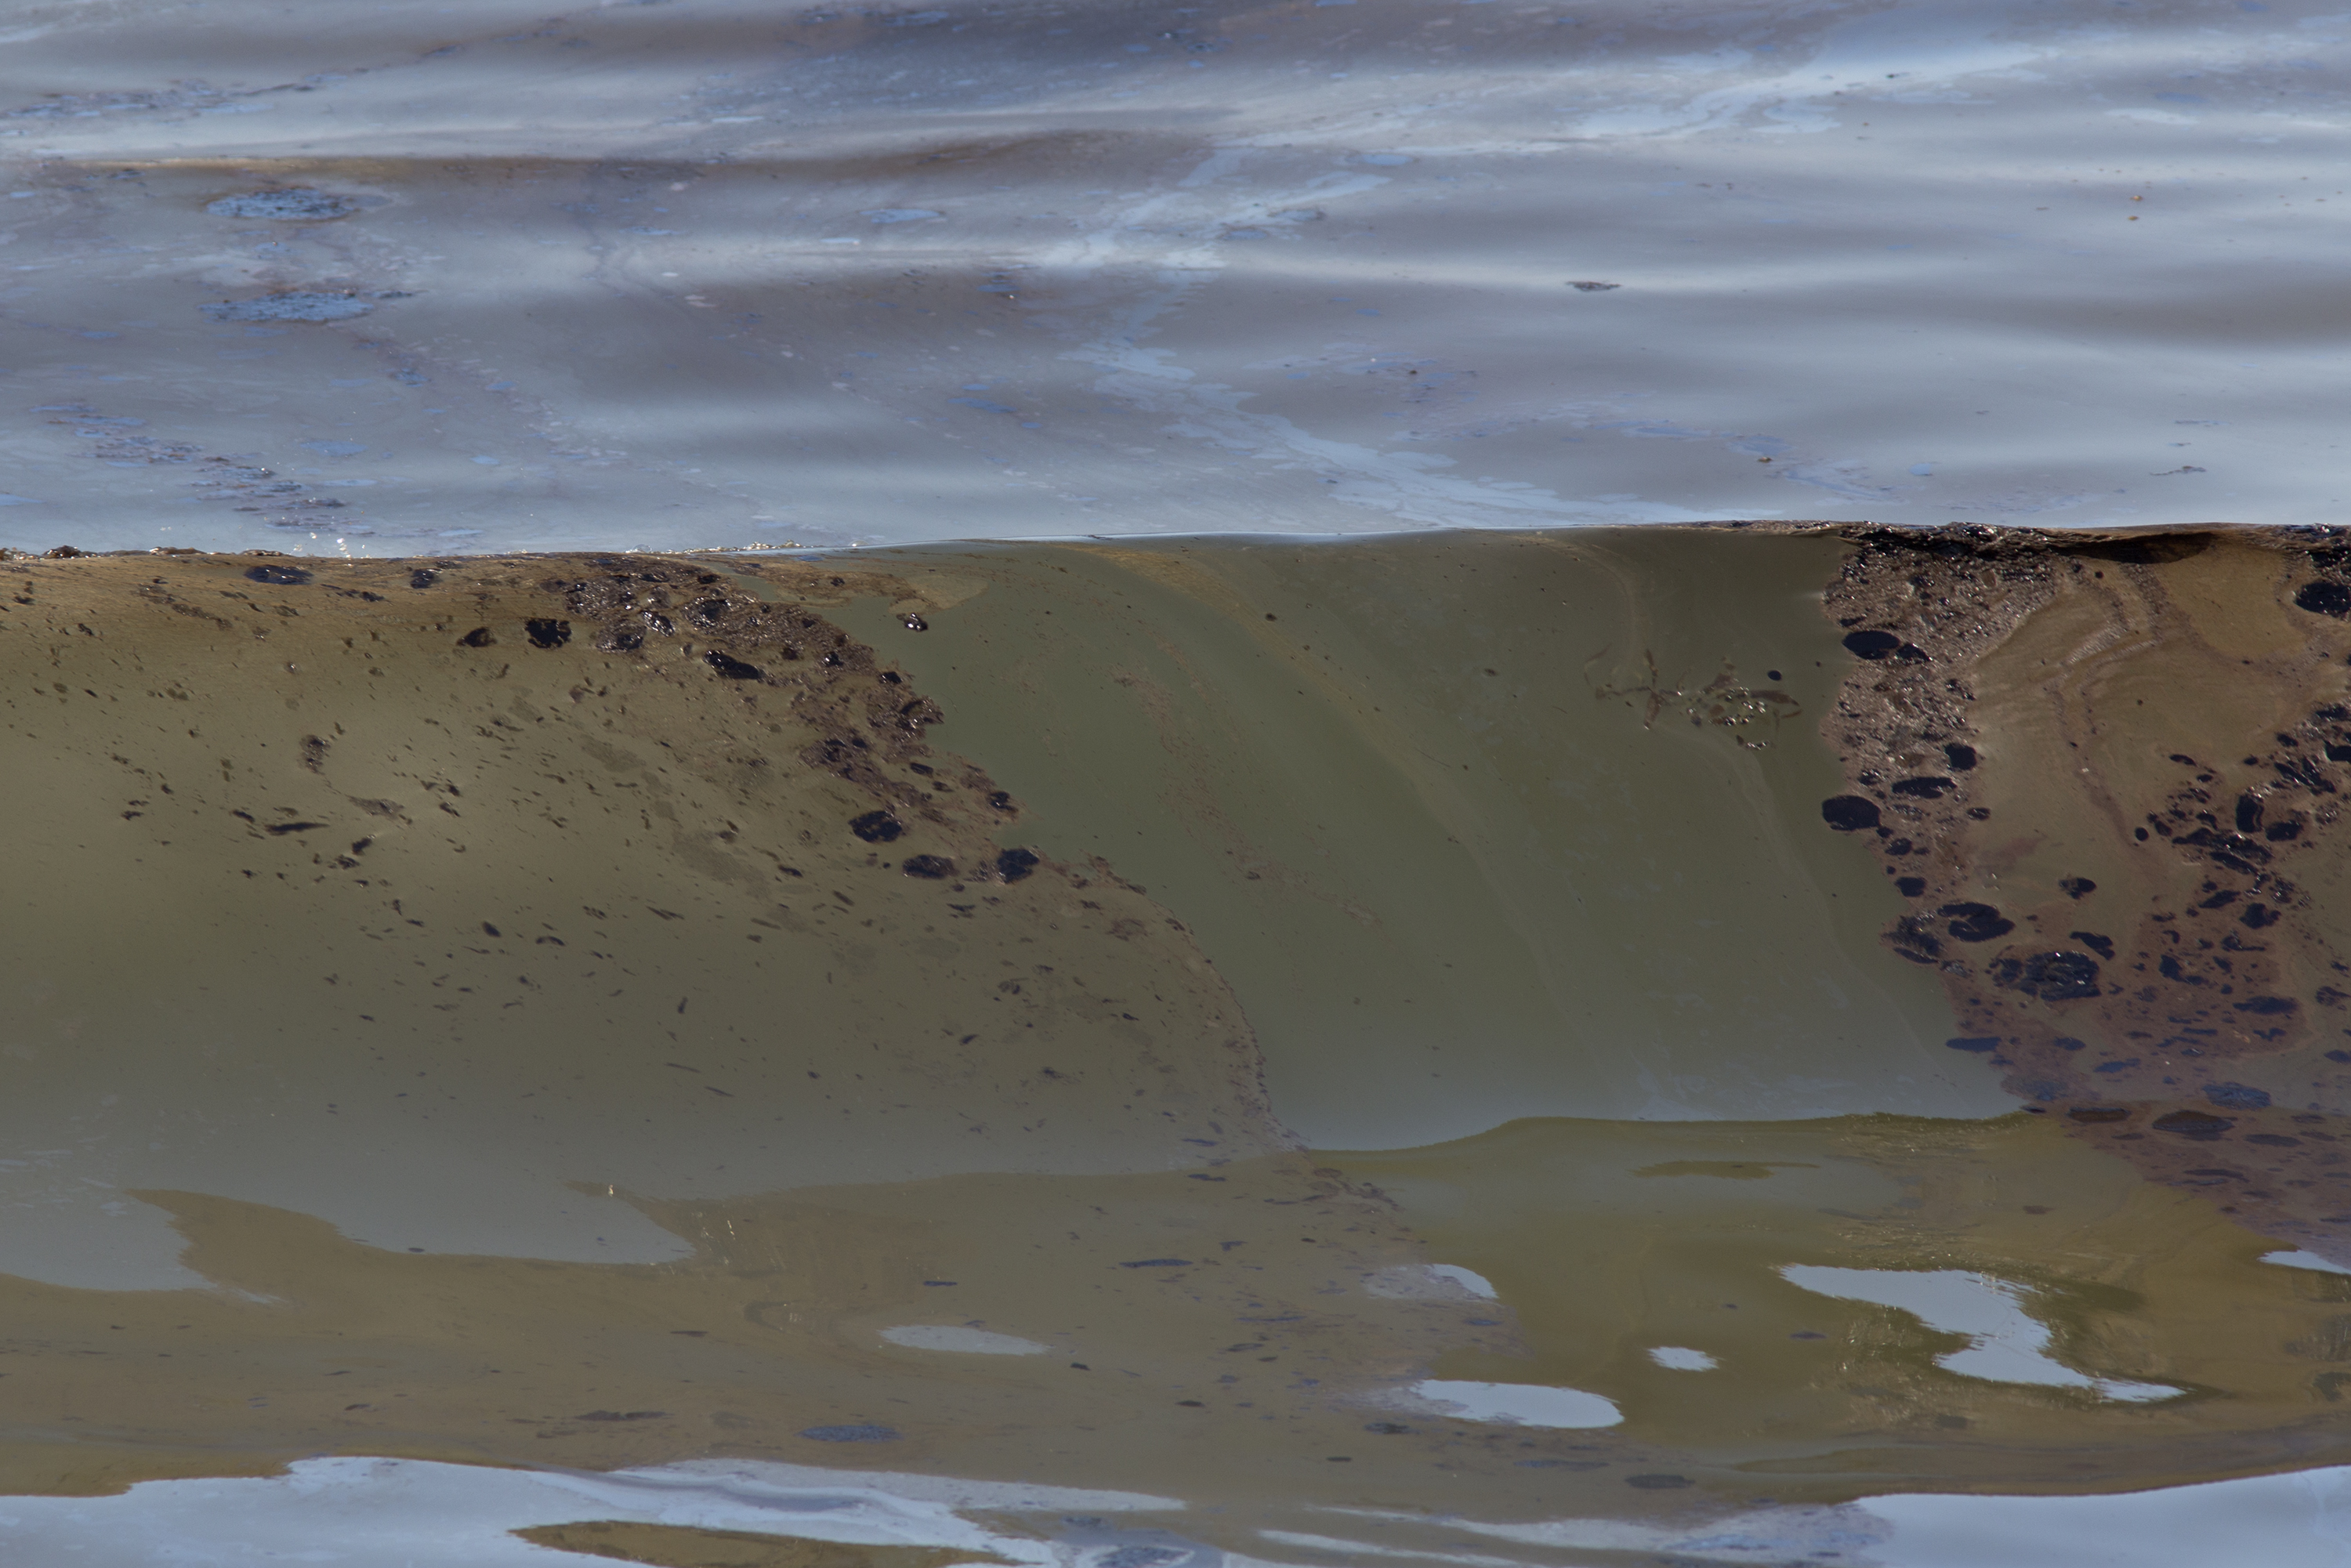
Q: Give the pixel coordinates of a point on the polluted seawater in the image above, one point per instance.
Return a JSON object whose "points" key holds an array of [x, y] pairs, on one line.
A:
{"points": [[1327, 1048]]}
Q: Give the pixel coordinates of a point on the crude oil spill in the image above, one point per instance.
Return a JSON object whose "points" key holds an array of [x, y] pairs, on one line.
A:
{"points": [[2167, 711]]}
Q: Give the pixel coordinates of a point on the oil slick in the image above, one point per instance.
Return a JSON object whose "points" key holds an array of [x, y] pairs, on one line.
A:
{"points": [[2110, 775]]}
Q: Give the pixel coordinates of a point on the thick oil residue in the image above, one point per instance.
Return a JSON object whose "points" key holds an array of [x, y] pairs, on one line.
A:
{"points": [[2131, 889]]}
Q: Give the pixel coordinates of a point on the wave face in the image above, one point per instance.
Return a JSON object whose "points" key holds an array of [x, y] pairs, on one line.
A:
{"points": [[1414, 1021]]}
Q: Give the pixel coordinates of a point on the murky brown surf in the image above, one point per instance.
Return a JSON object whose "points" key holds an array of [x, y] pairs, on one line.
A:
{"points": [[564, 1009]]}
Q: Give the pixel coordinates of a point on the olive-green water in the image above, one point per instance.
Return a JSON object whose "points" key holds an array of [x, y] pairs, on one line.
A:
{"points": [[1328, 1049]]}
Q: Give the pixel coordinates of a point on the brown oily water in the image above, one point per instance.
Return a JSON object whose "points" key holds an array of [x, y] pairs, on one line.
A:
{"points": [[560, 1011]]}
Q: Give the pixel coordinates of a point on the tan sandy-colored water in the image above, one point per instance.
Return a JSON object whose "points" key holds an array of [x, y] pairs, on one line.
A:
{"points": [[1295, 1028]]}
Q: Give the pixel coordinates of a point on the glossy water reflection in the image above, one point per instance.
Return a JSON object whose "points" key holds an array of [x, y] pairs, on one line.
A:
{"points": [[713, 272]]}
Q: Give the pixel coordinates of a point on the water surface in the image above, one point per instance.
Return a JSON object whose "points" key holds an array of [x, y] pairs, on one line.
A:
{"points": [[563, 1006], [1346, 1047], [701, 273]]}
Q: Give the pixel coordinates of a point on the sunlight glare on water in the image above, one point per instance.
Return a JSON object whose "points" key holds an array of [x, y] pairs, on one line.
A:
{"points": [[709, 273]]}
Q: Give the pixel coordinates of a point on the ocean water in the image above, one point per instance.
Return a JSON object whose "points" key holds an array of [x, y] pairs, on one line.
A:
{"points": [[704, 274], [1148, 787]]}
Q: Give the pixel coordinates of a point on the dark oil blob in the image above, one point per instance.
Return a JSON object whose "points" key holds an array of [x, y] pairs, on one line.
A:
{"points": [[2269, 1006], [1158, 1263], [1963, 757], [1000, 800], [287, 575], [479, 637], [2273, 1139], [1910, 886], [1014, 864], [2237, 1096], [2076, 887], [2068, 1042], [877, 826], [1929, 787], [1849, 813], [2193, 1124], [2249, 813], [857, 1434], [1911, 939], [2325, 599], [1658, 1483], [1977, 1042], [2154, 550], [2052, 977], [620, 640], [545, 634], [731, 668], [935, 868], [1975, 922], [1871, 644], [2099, 1114], [423, 577], [2257, 915]]}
